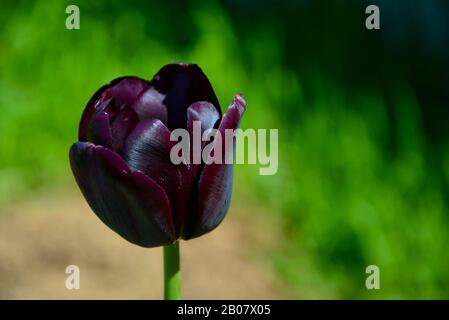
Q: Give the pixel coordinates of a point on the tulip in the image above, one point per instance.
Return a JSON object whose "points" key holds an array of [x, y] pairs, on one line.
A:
{"points": [[122, 160]]}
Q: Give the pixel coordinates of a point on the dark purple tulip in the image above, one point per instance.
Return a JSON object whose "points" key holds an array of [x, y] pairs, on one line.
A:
{"points": [[122, 159]]}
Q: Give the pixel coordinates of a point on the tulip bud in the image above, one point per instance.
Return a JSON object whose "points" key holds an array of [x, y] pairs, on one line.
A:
{"points": [[122, 159]]}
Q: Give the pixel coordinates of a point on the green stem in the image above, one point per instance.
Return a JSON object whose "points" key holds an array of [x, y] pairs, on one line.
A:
{"points": [[172, 274]]}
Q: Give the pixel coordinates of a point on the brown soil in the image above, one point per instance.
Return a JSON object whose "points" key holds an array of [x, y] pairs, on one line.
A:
{"points": [[40, 237]]}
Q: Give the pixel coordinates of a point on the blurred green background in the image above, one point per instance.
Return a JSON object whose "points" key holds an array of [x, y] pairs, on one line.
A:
{"points": [[363, 119]]}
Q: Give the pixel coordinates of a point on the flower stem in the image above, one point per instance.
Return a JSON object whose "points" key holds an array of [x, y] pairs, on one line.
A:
{"points": [[172, 274]]}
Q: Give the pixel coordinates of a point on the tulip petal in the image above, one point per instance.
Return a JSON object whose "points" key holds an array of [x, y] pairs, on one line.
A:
{"points": [[123, 123], [206, 114], [215, 183], [183, 84], [99, 131], [148, 149], [123, 90], [149, 105], [130, 203]]}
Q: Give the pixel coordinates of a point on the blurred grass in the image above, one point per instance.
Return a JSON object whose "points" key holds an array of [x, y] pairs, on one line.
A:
{"points": [[360, 182]]}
